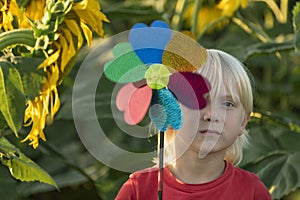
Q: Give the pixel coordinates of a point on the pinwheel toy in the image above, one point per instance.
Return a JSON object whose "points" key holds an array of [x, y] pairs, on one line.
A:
{"points": [[158, 68]]}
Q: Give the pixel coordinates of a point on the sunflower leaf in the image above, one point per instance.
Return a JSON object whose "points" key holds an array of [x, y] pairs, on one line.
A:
{"points": [[274, 157], [32, 78], [265, 48], [296, 24], [3, 124], [12, 99], [20, 166]]}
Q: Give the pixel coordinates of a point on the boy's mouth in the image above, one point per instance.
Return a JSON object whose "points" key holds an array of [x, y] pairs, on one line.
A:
{"points": [[210, 132]]}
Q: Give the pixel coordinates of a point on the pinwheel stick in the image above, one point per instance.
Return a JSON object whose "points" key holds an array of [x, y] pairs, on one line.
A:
{"points": [[161, 165]]}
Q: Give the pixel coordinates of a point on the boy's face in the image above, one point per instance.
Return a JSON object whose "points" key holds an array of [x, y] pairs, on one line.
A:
{"points": [[215, 127]]}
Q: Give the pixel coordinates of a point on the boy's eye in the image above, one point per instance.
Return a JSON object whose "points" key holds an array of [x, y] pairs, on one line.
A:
{"points": [[228, 104]]}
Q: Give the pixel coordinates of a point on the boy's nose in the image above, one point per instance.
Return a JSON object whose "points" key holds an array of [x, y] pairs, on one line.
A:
{"points": [[209, 114]]}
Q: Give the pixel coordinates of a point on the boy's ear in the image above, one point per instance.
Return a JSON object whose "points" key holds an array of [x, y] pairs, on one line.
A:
{"points": [[244, 122]]}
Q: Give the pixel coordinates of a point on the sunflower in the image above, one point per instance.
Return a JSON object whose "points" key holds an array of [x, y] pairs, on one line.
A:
{"points": [[60, 27], [214, 16], [6, 17], [228, 7], [43, 107]]}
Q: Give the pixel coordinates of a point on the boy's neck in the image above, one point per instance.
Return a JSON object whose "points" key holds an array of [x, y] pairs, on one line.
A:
{"points": [[193, 170]]}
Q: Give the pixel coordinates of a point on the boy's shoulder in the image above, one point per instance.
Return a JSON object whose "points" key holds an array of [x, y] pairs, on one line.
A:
{"points": [[241, 176], [241, 173], [147, 172]]}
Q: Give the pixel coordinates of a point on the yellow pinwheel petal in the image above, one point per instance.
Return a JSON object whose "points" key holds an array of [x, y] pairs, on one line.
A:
{"points": [[157, 76]]}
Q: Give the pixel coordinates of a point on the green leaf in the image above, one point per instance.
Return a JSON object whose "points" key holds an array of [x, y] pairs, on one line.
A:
{"points": [[296, 24], [264, 48], [20, 166], [136, 12], [12, 99], [3, 124], [255, 28], [32, 78], [274, 157], [7, 184]]}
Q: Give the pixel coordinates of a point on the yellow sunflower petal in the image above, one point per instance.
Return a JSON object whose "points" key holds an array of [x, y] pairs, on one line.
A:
{"points": [[55, 104], [38, 115], [16, 11], [28, 113], [50, 60], [207, 16], [87, 33], [64, 52], [229, 7], [52, 78], [244, 3], [69, 38], [34, 9], [89, 13], [68, 50], [74, 28], [81, 5]]}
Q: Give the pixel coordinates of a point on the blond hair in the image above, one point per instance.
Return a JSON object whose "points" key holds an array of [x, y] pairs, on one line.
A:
{"points": [[222, 69]]}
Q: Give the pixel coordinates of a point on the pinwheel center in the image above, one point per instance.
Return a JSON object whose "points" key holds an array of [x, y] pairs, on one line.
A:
{"points": [[157, 76]]}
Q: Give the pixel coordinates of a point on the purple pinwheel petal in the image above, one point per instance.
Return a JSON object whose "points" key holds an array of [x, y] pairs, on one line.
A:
{"points": [[189, 89], [149, 42]]}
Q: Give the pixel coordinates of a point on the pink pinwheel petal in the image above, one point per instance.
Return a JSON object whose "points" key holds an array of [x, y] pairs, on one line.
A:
{"points": [[134, 102]]}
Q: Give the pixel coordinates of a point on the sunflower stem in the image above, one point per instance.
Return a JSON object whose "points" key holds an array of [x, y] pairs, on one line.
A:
{"points": [[17, 37], [197, 6], [179, 12]]}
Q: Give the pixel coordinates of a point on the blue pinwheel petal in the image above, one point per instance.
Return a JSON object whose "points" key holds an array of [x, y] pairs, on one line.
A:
{"points": [[149, 42], [165, 111]]}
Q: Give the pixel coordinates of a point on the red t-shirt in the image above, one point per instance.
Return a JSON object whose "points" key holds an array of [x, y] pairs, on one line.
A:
{"points": [[234, 184]]}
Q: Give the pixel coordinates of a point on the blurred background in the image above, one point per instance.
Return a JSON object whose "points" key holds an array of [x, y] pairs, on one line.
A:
{"points": [[263, 34]]}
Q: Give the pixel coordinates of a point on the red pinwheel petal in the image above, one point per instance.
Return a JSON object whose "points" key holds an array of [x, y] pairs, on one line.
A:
{"points": [[189, 89], [134, 102]]}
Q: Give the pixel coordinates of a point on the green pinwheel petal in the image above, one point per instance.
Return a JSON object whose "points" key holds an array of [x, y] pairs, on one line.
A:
{"points": [[126, 67]]}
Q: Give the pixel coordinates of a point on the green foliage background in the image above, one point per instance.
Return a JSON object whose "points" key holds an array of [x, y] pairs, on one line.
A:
{"points": [[272, 54]]}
